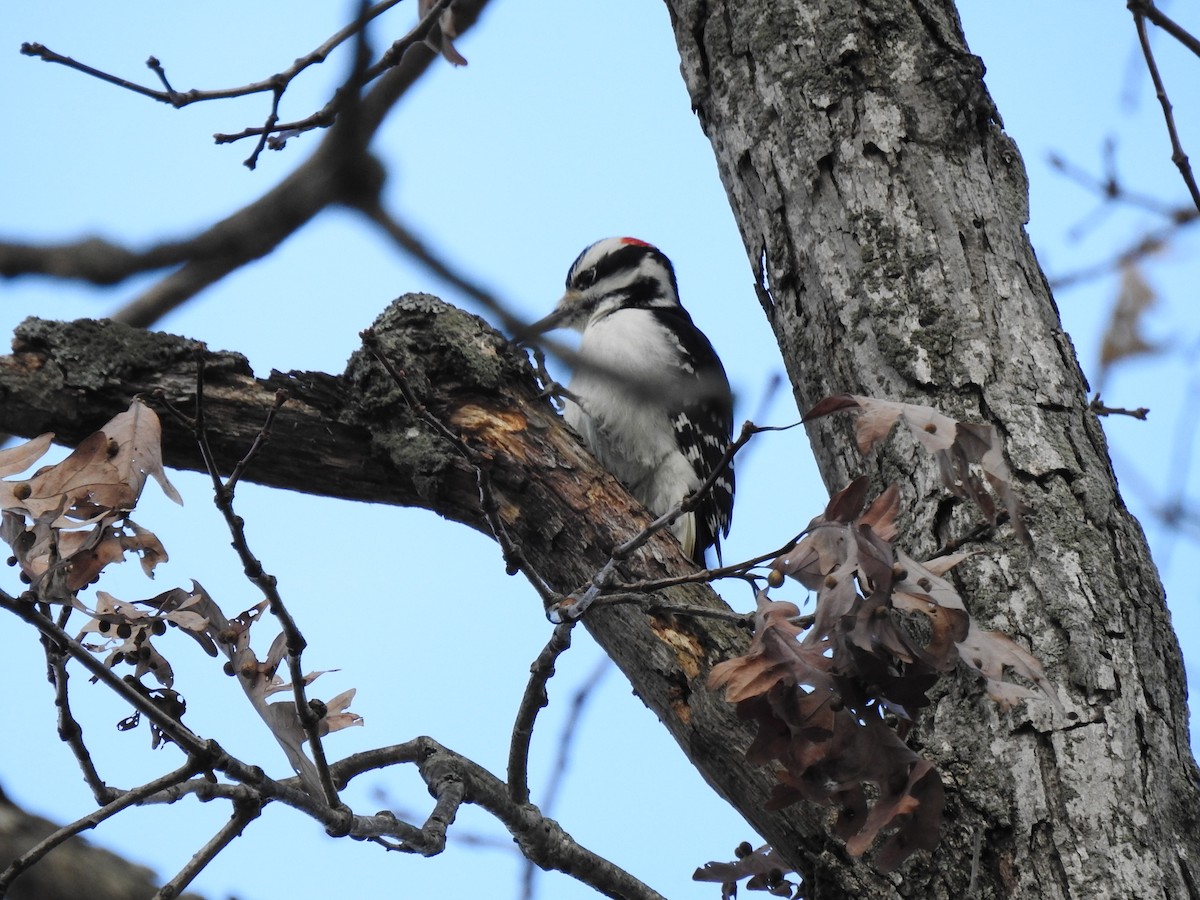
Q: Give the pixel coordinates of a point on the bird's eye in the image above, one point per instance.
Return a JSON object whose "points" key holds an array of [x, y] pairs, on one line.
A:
{"points": [[585, 279]]}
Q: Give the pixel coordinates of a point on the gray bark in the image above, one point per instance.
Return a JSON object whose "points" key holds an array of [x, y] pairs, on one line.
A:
{"points": [[883, 209]]}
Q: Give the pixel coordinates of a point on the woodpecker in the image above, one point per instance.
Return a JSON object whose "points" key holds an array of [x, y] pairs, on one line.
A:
{"points": [[649, 397]]}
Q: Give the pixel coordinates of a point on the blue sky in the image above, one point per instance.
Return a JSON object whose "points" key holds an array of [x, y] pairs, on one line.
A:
{"points": [[570, 123]]}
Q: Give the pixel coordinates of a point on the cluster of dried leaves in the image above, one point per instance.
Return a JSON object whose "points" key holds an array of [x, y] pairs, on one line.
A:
{"points": [[834, 695], [955, 447], [68, 521]]}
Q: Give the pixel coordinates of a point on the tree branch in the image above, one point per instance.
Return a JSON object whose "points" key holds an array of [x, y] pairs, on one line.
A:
{"points": [[1140, 8], [327, 177], [356, 436], [124, 800]]}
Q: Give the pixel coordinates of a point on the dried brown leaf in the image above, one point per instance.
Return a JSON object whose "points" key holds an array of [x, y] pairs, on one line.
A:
{"points": [[774, 655], [990, 653], [822, 550], [765, 868], [881, 514], [105, 472], [139, 448], [846, 504], [831, 404], [1124, 338], [18, 459], [337, 715], [194, 612], [954, 445]]}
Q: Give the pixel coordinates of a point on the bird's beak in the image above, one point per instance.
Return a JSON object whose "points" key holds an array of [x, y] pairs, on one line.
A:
{"points": [[547, 323], [563, 311]]}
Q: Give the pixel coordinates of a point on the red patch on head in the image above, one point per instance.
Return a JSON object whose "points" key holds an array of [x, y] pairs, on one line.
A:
{"points": [[634, 242]]}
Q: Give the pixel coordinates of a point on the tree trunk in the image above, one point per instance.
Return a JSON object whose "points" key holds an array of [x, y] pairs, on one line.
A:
{"points": [[883, 210]]}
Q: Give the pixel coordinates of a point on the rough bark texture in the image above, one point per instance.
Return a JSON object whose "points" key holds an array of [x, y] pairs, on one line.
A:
{"points": [[883, 208]]}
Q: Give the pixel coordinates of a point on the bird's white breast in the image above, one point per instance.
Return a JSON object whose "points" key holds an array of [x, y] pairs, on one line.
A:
{"points": [[623, 420]]}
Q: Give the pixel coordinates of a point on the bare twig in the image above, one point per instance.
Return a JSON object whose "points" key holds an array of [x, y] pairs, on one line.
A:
{"points": [[1100, 409], [69, 730], [275, 84], [454, 779], [1147, 245], [408, 241], [1110, 188], [208, 754], [579, 701], [566, 740], [244, 813], [541, 839], [534, 699], [122, 801], [1140, 9], [249, 234], [1166, 23], [223, 496], [704, 576], [328, 114], [745, 620]]}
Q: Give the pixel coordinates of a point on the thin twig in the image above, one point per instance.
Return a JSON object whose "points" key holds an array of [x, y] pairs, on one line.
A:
{"points": [[248, 234], [745, 620], [243, 814], [328, 114], [1139, 9], [124, 800], [558, 770], [1148, 244], [260, 440], [209, 752], [408, 241], [541, 838], [1110, 188], [69, 729], [223, 496], [704, 576], [570, 729], [1166, 23], [533, 700], [276, 83], [1102, 410], [393, 54]]}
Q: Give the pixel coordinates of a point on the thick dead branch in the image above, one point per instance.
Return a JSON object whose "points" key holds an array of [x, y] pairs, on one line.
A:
{"points": [[354, 436]]}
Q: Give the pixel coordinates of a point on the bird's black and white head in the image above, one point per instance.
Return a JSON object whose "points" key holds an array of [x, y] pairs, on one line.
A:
{"points": [[615, 273]]}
